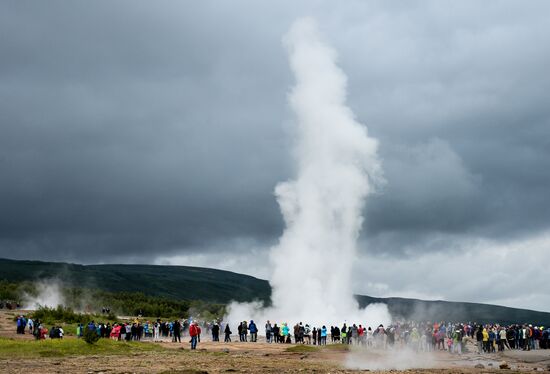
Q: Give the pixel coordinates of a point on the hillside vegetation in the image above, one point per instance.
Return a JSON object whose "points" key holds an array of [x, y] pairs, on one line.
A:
{"points": [[178, 290], [172, 282]]}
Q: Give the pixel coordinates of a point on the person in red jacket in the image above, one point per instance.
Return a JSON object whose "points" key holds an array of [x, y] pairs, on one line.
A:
{"points": [[194, 331]]}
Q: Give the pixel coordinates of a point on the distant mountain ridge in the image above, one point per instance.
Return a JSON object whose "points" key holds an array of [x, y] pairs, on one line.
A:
{"points": [[212, 285]]}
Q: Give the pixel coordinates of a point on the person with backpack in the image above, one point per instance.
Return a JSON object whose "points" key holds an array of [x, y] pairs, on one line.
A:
{"points": [[253, 331]]}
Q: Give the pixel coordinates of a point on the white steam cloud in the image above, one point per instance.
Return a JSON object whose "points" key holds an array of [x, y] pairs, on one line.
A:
{"points": [[48, 295], [337, 167]]}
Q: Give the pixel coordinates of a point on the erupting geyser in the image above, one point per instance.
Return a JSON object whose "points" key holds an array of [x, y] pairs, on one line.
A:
{"points": [[337, 165]]}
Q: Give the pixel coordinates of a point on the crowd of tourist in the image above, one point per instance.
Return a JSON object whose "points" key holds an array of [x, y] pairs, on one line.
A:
{"points": [[37, 329], [418, 336]]}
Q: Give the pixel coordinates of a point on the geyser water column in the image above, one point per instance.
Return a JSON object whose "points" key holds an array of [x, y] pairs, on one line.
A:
{"points": [[336, 167]]}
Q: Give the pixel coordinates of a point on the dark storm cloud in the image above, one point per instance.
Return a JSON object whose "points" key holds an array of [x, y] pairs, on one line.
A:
{"points": [[133, 130]]}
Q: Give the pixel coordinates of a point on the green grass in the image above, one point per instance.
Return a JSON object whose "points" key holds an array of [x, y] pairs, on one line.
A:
{"points": [[316, 348], [338, 347], [303, 348], [10, 348]]}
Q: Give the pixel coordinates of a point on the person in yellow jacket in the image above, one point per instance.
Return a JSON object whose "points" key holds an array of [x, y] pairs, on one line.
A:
{"points": [[486, 341]]}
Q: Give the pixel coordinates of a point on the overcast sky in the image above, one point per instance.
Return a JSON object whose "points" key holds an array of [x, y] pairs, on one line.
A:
{"points": [[156, 132]]}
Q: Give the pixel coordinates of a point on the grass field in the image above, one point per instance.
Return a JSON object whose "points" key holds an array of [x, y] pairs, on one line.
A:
{"points": [[14, 348]]}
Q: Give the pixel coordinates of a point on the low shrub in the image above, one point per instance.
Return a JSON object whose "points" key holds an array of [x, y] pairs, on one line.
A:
{"points": [[90, 336]]}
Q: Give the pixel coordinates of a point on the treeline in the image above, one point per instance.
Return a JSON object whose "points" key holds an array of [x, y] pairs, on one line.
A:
{"points": [[61, 314], [120, 303], [10, 291]]}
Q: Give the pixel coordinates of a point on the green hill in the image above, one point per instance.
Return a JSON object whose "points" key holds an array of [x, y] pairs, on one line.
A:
{"points": [[176, 282], [218, 286], [422, 310]]}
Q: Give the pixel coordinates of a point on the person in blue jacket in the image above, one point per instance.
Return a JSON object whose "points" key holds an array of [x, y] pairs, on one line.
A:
{"points": [[253, 331], [324, 335]]}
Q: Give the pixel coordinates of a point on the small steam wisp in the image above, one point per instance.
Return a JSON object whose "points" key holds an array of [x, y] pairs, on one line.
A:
{"points": [[337, 167]]}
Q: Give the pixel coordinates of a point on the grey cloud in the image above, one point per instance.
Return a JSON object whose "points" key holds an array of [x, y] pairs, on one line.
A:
{"points": [[149, 131]]}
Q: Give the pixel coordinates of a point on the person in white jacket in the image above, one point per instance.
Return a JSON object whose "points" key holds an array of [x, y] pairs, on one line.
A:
{"points": [[156, 332]]}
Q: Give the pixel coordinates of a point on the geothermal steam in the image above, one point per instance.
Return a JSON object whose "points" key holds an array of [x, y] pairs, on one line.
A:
{"points": [[337, 165], [48, 295]]}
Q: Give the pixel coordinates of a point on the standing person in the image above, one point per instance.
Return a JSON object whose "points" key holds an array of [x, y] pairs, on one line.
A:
{"points": [[319, 335], [361, 334], [133, 331], [198, 333], [122, 335], [240, 332], [216, 332], [336, 334], [285, 331], [296, 333], [268, 329], [139, 331], [503, 340], [323, 335], [227, 333], [194, 333], [253, 331], [479, 339], [314, 333], [301, 332], [177, 331], [146, 326], [344, 334], [307, 334], [457, 342], [486, 346], [156, 331], [129, 332], [354, 334], [276, 333], [511, 337], [245, 331]]}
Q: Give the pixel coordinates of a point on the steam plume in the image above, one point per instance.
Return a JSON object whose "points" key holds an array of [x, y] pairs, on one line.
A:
{"points": [[337, 165]]}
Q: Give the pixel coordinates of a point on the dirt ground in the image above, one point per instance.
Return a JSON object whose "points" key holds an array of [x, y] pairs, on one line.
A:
{"points": [[211, 357]]}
